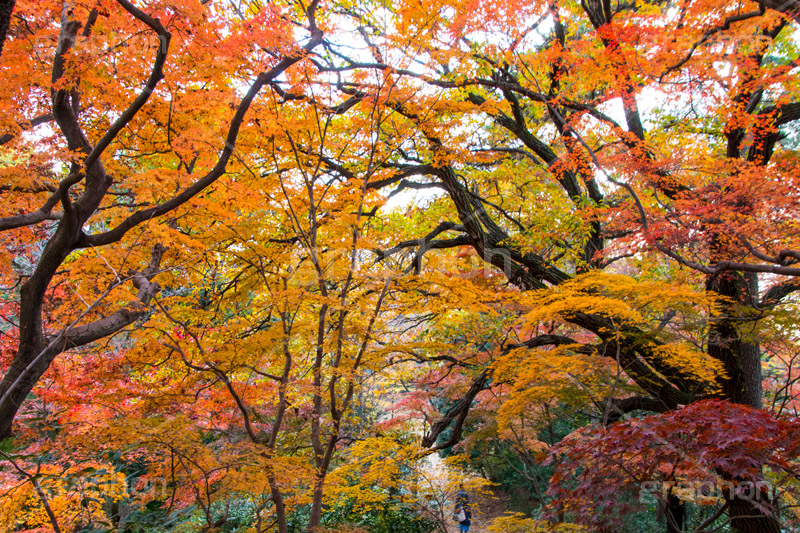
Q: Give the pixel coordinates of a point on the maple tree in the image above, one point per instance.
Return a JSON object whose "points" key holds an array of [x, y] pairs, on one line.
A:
{"points": [[96, 202], [608, 223]]}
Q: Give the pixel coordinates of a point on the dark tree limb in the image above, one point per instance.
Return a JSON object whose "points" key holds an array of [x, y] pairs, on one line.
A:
{"points": [[457, 413], [620, 407], [6, 8], [30, 124], [426, 240], [790, 8], [115, 234], [103, 327], [408, 184], [777, 293], [460, 410]]}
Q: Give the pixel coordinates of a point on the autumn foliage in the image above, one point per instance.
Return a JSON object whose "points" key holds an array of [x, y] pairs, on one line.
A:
{"points": [[265, 263]]}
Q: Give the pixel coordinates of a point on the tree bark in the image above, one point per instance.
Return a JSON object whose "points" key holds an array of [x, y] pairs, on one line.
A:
{"points": [[280, 506], [6, 8], [741, 359], [747, 518], [36, 350], [316, 506], [675, 514]]}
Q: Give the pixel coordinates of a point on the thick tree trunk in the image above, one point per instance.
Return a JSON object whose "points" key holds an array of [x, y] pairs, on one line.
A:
{"points": [[30, 362], [324, 464], [746, 518], [741, 359], [36, 352]]}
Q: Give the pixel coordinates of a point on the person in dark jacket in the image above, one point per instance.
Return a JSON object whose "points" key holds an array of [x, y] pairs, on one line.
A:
{"points": [[462, 504]]}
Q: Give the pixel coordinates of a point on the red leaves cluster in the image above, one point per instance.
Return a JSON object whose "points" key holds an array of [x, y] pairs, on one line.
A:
{"points": [[601, 472]]}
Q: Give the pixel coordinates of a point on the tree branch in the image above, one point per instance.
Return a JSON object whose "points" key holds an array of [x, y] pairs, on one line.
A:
{"points": [[138, 217], [100, 328]]}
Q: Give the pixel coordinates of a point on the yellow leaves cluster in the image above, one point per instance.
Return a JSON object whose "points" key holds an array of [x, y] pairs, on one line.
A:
{"points": [[519, 523], [624, 300], [373, 471], [576, 374], [690, 360], [543, 377], [383, 471], [76, 496]]}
